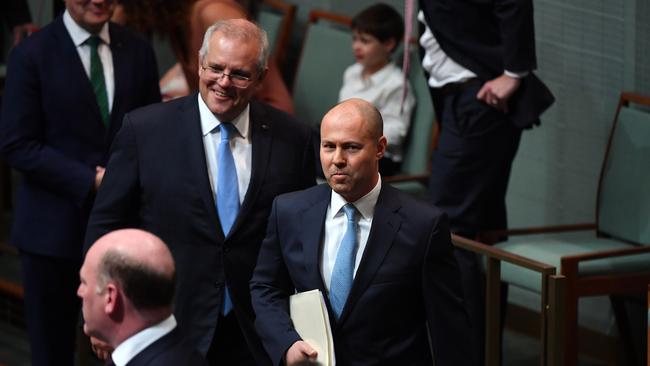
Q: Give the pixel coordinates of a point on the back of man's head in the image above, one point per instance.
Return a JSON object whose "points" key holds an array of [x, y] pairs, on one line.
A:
{"points": [[127, 284]]}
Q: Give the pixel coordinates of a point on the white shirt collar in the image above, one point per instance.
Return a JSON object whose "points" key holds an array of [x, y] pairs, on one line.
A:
{"points": [[133, 345], [80, 35], [365, 205], [379, 76], [209, 121]]}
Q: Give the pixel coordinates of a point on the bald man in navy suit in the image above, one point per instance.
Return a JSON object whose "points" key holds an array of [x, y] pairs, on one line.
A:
{"points": [[390, 280]]}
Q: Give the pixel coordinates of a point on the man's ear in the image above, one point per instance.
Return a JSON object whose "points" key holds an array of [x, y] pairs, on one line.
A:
{"points": [[381, 147], [263, 74], [111, 298], [390, 45]]}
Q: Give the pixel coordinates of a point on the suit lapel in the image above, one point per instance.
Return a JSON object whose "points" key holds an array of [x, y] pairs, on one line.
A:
{"points": [[76, 71], [121, 74], [385, 224], [197, 165], [311, 237], [312, 226], [261, 138]]}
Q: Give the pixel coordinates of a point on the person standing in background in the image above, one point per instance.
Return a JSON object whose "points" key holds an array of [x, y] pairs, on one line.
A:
{"points": [[67, 88], [376, 32], [479, 57]]}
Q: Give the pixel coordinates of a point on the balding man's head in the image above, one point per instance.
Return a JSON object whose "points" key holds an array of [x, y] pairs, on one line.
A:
{"points": [[351, 146], [141, 263], [127, 284]]}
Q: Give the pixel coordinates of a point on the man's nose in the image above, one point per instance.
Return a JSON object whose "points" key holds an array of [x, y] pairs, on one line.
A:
{"points": [[339, 157]]}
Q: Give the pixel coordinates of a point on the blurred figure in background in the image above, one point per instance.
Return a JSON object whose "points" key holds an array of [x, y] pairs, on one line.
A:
{"points": [[184, 23], [67, 88], [376, 33]]}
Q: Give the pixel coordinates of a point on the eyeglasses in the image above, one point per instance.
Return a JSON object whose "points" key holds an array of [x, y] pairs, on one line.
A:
{"points": [[216, 73]]}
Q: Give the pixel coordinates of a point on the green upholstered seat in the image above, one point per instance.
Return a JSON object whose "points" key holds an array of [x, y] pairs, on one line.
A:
{"points": [[550, 248], [326, 53], [613, 258], [418, 141], [270, 22], [624, 206], [624, 212]]}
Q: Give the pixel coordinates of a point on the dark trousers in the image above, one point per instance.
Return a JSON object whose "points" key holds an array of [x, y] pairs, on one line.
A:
{"points": [[470, 174], [51, 307], [229, 346]]}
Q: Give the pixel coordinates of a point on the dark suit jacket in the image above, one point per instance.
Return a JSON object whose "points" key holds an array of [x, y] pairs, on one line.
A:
{"points": [[488, 37], [52, 131], [407, 278], [170, 350], [157, 180]]}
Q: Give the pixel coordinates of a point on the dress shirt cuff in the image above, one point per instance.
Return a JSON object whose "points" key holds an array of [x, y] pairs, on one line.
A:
{"points": [[516, 75]]}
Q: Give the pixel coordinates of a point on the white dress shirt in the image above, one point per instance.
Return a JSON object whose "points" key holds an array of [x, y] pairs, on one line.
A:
{"points": [[79, 37], [441, 68], [136, 343], [336, 224], [384, 90], [240, 145]]}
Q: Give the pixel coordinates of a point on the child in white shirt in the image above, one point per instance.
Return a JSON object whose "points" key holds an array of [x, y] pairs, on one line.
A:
{"points": [[377, 31]]}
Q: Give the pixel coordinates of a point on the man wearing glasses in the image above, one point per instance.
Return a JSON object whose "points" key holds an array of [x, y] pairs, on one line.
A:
{"points": [[201, 172]]}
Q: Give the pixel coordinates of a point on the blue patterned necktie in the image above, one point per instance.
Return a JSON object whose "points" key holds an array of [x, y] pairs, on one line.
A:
{"points": [[97, 78], [227, 194], [341, 281]]}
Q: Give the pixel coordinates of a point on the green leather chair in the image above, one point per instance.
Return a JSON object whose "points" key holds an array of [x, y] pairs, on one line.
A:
{"points": [[611, 256], [276, 17], [326, 53], [416, 166]]}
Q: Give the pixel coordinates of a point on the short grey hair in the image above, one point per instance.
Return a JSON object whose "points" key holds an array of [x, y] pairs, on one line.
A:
{"points": [[232, 28]]}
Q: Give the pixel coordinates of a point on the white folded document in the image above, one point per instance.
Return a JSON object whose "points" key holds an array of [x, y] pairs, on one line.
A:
{"points": [[310, 319]]}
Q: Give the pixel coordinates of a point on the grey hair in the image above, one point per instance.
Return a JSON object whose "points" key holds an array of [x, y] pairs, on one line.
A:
{"points": [[232, 28]]}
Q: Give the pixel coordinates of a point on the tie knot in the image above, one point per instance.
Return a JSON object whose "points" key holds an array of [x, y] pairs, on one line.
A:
{"points": [[350, 211], [227, 130], [93, 41]]}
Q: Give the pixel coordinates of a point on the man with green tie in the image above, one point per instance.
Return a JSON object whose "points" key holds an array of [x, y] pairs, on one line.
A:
{"points": [[67, 89]]}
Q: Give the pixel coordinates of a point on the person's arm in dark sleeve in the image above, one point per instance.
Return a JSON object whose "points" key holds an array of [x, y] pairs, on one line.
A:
{"points": [[271, 287], [23, 135], [448, 322], [117, 202]]}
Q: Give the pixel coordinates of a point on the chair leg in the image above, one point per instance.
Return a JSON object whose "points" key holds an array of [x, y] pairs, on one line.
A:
{"points": [[626, 318], [571, 329]]}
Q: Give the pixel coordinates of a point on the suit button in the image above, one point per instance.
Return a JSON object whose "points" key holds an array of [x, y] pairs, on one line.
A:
{"points": [[226, 249]]}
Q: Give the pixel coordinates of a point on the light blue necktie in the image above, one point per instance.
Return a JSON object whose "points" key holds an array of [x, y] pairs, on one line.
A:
{"points": [[227, 194], [341, 281]]}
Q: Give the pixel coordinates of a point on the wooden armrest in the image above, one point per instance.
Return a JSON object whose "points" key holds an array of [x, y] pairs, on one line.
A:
{"points": [[605, 254], [502, 255], [316, 15], [492, 236], [12, 289]]}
